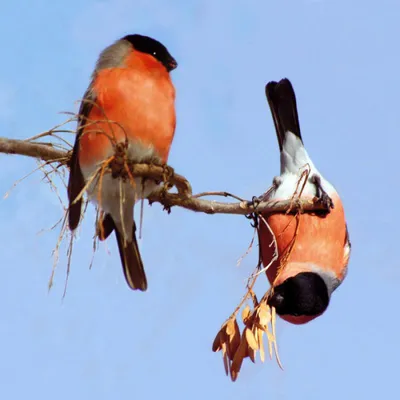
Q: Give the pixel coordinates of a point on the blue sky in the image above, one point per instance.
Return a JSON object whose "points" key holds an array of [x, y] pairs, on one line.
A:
{"points": [[107, 342]]}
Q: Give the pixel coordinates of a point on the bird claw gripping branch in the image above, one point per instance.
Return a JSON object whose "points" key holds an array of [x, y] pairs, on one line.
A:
{"points": [[255, 201], [322, 196], [118, 163], [168, 175]]}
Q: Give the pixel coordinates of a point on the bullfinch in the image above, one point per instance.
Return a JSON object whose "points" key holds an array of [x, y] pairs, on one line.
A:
{"points": [[313, 253], [130, 101]]}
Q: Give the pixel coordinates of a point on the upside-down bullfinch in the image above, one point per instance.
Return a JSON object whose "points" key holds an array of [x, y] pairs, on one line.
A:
{"points": [[311, 263], [130, 100]]}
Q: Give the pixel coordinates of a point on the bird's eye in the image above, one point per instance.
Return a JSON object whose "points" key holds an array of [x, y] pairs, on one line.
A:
{"points": [[154, 53]]}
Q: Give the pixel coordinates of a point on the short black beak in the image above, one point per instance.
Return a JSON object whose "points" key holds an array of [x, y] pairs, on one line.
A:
{"points": [[276, 300], [172, 64]]}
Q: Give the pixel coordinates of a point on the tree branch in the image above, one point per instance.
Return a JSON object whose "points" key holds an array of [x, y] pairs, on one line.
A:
{"points": [[44, 151], [239, 208], [184, 198]]}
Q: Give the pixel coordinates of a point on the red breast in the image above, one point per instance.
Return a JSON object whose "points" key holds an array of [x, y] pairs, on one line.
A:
{"points": [[319, 243], [140, 97]]}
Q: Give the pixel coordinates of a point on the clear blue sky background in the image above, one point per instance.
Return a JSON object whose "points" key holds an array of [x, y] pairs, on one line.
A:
{"points": [[107, 342]]}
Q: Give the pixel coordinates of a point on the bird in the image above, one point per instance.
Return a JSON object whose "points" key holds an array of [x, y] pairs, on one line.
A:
{"points": [[312, 263], [129, 104]]}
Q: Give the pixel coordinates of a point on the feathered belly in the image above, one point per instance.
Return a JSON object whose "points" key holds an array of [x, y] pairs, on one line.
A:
{"points": [[107, 191], [308, 239]]}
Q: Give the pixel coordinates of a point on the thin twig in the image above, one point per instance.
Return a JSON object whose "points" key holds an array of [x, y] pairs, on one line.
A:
{"points": [[224, 194]]}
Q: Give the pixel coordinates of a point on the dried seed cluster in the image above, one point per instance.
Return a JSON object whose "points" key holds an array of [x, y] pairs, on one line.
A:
{"points": [[236, 347]]}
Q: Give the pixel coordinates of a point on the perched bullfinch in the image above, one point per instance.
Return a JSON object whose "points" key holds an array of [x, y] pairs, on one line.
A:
{"points": [[317, 264], [130, 100]]}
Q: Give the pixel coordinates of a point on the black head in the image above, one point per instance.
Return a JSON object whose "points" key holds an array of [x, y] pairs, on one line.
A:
{"points": [[151, 46], [305, 294]]}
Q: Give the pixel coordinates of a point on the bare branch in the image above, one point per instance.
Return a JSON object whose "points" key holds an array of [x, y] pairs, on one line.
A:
{"points": [[239, 208], [183, 198], [46, 152]]}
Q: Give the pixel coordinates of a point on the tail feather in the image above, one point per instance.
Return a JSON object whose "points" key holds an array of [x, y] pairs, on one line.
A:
{"points": [[131, 261], [105, 227], [282, 102]]}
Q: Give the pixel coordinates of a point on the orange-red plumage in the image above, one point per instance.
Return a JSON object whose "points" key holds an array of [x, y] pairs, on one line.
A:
{"points": [[151, 120], [131, 100], [319, 241]]}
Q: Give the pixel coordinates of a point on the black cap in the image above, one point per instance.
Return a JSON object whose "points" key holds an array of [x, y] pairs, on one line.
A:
{"points": [[146, 44], [304, 294]]}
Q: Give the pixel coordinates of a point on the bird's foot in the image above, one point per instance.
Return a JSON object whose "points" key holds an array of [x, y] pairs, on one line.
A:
{"points": [[322, 197], [168, 174], [254, 202], [117, 164]]}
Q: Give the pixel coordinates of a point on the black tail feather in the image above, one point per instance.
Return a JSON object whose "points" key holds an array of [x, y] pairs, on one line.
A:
{"points": [[131, 261], [282, 102], [105, 227]]}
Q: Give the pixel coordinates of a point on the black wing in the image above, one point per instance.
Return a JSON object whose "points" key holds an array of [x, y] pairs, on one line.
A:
{"points": [[76, 181]]}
